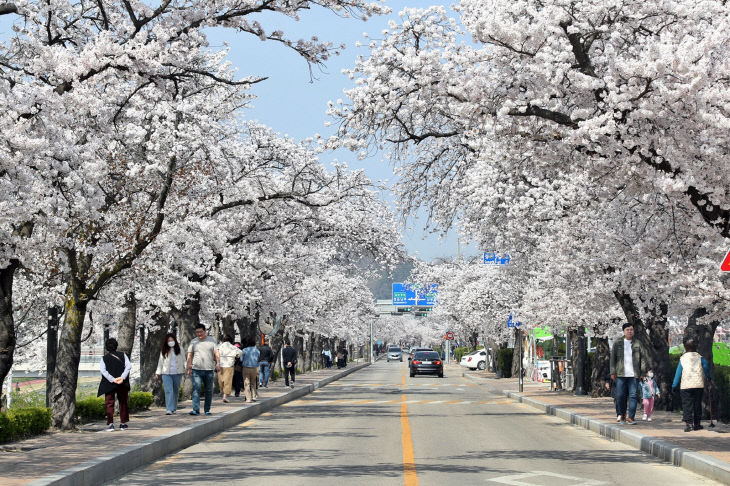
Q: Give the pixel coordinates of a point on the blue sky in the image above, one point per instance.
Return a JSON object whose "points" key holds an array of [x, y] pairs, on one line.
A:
{"points": [[293, 102]]}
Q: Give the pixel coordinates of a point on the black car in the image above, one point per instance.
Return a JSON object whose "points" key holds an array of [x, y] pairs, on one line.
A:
{"points": [[426, 363]]}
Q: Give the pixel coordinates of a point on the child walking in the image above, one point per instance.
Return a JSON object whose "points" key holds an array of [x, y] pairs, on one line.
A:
{"points": [[649, 390]]}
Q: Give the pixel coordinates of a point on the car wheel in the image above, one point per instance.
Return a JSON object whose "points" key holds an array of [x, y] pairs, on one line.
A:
{"points": [[441, 375], [388, 361], [480, 365], [412, 374]]}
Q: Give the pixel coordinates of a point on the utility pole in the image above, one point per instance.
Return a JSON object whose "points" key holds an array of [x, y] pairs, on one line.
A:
{"points": [[372, 351]]}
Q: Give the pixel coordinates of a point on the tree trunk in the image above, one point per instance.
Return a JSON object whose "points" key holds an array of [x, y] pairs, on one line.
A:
{"points": [[516, 354], [658, 328], [8, 338], [299, 347], [601, 365], [704, 335], [51, 350], [228, 327], [151, 353], [187, 318], [127, 325], [65, 376]]}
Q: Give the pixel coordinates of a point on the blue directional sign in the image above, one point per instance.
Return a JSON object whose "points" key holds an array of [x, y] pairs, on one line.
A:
{"points": [[511, 323], [415, 294], [492, 258]]}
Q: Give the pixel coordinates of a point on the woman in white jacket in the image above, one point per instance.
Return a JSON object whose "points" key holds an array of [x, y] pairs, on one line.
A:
{"points": [[229, 354], [171, 366]]}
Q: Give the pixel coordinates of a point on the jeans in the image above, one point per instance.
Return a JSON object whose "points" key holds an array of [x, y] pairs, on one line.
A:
{"points": [[624, 386], [172, 389], [264, 370], [287, 373], [198, 377]]}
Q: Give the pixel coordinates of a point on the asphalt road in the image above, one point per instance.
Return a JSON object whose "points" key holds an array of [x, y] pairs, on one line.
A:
{"points": [[379, 427]]}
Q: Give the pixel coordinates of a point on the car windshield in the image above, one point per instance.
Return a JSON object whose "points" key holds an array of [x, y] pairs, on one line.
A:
{"points": [[393, 350], [427, 355]]}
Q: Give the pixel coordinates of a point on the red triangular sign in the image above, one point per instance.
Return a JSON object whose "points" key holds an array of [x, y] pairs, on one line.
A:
{"points": [[725, 267]]}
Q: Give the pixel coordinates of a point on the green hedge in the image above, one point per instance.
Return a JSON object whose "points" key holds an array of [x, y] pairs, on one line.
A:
{"points": [[504, 362], [93, 408], [460, 352], [17, 424]]}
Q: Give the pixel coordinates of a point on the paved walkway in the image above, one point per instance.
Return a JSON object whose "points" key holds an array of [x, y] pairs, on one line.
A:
{"points": [[665, 426], [29, 460]]}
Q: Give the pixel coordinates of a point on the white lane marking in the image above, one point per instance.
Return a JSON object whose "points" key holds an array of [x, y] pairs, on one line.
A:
{"points": [[514, 479]]}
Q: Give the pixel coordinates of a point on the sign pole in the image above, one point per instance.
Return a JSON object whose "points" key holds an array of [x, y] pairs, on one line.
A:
{"points": [[518, 336]]}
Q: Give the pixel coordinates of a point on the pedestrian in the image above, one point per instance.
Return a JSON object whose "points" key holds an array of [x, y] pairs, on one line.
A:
{"points": [[289, 356], [203, 362], [690, 377], [649, 390], [327, 358], [250, 361], [344, 357], [237, 373], [115, 367], [229, 355], [170, 367], [340, 359], [266, 359], [628, 363]]}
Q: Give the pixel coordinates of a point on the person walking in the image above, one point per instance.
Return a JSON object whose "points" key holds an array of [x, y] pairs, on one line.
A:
{"points": [[649, 390], [114, 368], [327, 358], [690, 377], [229, 355], [266, 358], [170, 367], [250, 360], [628, 363], [203, 361], [237, 373], [289, 356]]}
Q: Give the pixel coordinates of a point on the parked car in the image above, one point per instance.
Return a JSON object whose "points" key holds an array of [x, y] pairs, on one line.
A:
{"points": [[426, 363], [476, 360], [395, 354]]}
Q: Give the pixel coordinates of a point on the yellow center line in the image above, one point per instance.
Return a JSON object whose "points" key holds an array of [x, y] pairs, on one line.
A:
{"points": [[409, 461]]}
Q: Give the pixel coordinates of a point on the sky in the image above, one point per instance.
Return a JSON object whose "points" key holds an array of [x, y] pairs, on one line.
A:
{"points": [[293, 100]]}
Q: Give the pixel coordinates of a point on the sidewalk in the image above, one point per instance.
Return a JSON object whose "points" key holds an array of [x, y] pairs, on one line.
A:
{"points": [[92, 455], [705, 452]]}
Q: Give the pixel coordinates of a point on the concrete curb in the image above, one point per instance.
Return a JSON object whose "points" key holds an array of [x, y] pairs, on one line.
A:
{"points": [[111, 466], [696, 462]]}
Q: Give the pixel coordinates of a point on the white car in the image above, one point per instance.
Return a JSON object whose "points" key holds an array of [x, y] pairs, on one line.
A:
{"points": [[476, 360]]}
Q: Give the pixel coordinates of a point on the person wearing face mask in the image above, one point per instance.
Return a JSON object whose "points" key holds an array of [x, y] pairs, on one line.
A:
{"points": [[649, 390], [170, 367]]}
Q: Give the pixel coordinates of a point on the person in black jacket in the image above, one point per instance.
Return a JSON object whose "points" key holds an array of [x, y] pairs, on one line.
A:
{"points": [[266, 358], [290, 362], [115, 368]]}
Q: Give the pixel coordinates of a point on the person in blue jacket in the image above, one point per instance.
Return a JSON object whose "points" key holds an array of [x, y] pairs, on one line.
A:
{"points": [[690, 377]]}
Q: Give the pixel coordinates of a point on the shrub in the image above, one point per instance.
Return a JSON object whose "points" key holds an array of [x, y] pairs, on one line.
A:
{"points": [[91, 408], [139, 400], [460, 352], [27, 399], [504, 362], [721, 382], [17, 424]]}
